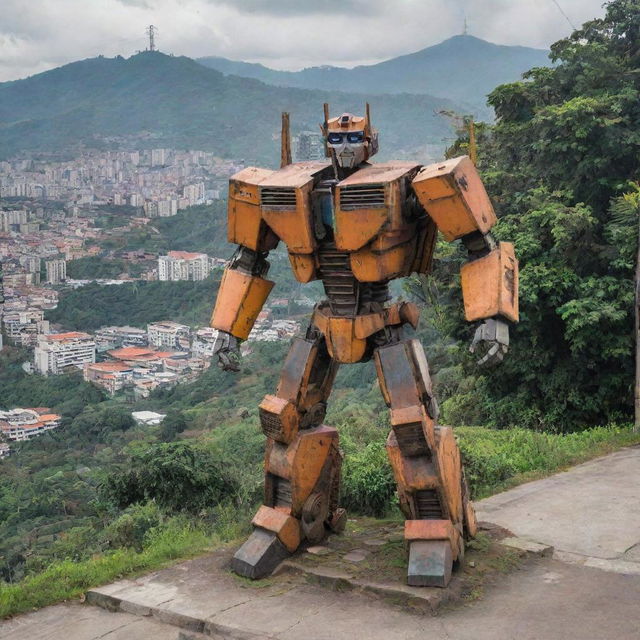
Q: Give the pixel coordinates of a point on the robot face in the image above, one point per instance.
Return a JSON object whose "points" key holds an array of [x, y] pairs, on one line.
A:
{"points": [[350, 147]]}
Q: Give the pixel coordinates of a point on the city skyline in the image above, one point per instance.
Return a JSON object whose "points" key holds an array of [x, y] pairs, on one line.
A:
{"points": [[282, 34]]}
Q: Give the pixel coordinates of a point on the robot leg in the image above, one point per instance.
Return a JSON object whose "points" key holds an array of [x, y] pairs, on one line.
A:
{"points": [[427, 467], [302, 462]]}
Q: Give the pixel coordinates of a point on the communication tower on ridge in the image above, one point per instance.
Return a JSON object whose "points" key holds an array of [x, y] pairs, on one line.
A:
{"points": [[151, 32]]}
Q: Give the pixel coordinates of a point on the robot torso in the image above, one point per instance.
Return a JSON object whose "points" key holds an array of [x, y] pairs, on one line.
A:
{"points": [[355, 235]]}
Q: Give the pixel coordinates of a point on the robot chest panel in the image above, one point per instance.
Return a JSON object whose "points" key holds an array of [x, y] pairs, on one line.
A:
{"points": [[371, 203]]}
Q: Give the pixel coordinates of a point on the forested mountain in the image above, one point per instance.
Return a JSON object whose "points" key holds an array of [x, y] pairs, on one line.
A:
{"points": [[176, 102], [463, 69]]}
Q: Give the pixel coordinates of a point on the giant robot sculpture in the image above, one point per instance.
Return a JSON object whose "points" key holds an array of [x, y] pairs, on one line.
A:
{"points": [[355, 226]]}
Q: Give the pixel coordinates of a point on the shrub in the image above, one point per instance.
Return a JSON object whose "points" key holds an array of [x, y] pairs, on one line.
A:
{"points": [[129, 529], [178, 476], [367, 481]]}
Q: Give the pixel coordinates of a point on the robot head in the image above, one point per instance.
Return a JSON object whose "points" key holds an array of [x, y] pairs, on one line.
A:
{"points": [[351, 139]]}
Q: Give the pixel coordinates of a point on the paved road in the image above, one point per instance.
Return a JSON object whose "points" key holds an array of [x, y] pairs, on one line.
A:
{"points": [[591, 514]]}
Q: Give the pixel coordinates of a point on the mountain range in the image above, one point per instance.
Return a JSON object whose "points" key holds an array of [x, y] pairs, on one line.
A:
{"points": [[156, 100], [175, 102], [463, 69]]}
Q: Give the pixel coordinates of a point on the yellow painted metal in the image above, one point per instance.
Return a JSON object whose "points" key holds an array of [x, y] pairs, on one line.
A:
{"points": [[245, 224], [454, 196], [490, 285], [240, 299]]}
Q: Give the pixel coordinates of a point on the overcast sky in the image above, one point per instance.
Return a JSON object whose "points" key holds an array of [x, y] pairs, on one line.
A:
{"points": [[36, 35]]}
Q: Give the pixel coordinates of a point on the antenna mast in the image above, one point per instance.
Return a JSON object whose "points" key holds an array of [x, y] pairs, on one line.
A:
{"points": [[151, 32]]}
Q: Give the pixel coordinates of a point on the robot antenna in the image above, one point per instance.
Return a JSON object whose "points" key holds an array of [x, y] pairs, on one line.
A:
{"points": [[367, 121], [325, 128]]}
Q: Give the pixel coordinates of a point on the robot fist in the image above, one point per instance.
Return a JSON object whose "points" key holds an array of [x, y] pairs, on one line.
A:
{"points": [[492, 337], [226, 348]]}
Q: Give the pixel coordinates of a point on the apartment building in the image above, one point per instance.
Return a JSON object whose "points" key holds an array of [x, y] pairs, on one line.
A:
{"points": [[183, 265], [23, 424], [160, 208], [13, 220], [111, 376], [168, 334], [113, 337], [194, 193], [23, 326], [56, 270], [57, 351]]}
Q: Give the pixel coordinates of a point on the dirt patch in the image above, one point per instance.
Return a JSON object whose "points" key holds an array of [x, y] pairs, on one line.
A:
{"points": [[372, 556]]}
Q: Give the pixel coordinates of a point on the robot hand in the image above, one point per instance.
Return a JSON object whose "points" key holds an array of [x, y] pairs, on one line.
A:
{"points": [[227, 350], [493, 335]]}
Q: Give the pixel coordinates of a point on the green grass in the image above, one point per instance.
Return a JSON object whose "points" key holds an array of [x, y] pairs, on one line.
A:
{"points": [[494, 461], [498, 459], [67, 579]]}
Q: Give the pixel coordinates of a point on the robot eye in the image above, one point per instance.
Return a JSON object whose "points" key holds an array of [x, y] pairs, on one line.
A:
{"points": [[355, 136], [335, 138]]}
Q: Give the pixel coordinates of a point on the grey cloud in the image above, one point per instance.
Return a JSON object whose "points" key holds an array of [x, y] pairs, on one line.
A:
{"points": [[306, 7], [286, 34], [145, 4]]}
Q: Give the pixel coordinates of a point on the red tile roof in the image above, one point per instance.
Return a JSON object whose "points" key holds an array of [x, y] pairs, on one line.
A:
{"points": [[70, 335], [109, 366]]}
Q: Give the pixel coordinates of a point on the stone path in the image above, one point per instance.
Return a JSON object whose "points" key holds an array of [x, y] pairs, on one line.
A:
{"points": [[588, 590]]}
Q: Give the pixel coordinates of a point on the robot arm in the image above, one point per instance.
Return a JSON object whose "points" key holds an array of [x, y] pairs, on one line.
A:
{"points": [[242, 294], [454, 197], [490, 292], [244, 288]]}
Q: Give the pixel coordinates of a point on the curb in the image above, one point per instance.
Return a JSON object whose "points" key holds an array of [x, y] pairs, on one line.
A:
{"points": [[188, 623], [423, 599]]}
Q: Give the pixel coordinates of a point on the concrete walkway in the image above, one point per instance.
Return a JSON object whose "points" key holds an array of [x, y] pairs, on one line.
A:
{"points": [[590, 514]]}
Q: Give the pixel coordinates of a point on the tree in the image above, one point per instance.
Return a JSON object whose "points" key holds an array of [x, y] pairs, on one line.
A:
{"points": [[565, 146], [624, 234], [173, 424]]}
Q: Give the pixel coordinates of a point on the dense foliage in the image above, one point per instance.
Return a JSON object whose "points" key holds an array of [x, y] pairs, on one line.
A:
{"points": [[561, 157], [137, 303], [96, 267]]}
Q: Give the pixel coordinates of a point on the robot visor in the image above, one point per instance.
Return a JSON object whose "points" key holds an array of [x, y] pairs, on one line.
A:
{"points": [[338, 137]]}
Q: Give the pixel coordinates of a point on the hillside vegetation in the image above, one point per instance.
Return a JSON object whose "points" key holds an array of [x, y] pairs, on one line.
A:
{"points": [[102, 498], [165, 101], [562, 166]]}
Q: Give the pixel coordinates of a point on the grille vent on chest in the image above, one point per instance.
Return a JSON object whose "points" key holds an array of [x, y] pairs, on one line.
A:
{"points": [[368, 196], [278, 198]]}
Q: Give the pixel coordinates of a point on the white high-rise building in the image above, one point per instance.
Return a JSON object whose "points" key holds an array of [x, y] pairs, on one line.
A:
{"points": [[168, 334], [56, 270], [182, 265], [158, 157], [57, 351], [194, 193]]}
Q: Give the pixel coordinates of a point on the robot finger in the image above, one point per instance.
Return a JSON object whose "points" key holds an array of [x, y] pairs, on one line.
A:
{"points": [[478, 337], [491, 355]]}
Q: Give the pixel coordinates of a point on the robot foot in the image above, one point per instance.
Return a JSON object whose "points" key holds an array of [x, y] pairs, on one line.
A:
{"points": [[259, 555], [430, 563]]}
